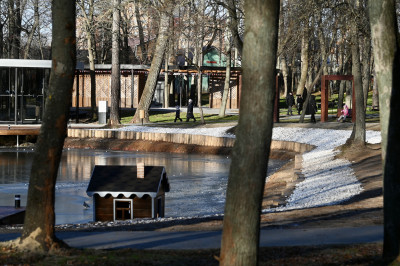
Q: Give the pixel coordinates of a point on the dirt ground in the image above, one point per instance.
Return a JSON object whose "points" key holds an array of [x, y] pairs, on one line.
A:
{"points": [[362, 210]]}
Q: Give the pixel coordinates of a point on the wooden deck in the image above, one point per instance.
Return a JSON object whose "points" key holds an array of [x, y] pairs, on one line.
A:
{"points": [[11, 215], [17, 130]]}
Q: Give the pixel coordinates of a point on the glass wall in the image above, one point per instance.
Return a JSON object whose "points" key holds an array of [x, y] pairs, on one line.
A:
{"points": [[22, 94]]}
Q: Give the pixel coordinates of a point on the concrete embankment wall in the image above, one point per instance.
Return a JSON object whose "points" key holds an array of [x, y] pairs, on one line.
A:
{"points": [[179, 138]]}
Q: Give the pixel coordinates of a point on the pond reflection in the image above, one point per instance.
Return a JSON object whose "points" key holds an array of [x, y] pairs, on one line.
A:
{"points": [[198, 181]]}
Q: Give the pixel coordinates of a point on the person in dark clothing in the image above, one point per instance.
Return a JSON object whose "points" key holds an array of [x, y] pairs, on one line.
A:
{"points": [[290, 103], [312, 108], [190, 111], [177, 113], [299, 102]]}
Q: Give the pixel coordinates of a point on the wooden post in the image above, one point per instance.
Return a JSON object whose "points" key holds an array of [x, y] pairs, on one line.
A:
{"points": [[276, 102], [324, 99], [77, 97]]}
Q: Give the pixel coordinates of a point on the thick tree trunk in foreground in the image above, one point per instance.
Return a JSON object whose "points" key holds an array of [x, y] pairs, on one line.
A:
{"points": [[151, 82], [38, 232], [385, 40], [115, 67], [240, 238]]}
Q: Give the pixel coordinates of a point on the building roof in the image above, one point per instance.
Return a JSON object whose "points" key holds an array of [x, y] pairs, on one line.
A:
{"points": [[115, 180], [31, 63]]}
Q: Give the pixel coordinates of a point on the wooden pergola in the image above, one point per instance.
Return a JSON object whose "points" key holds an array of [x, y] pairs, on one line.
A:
{"points": [[325, 95]]}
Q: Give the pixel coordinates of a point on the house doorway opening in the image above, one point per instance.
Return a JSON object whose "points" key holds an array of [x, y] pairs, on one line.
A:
{"points": [[123, 209]]}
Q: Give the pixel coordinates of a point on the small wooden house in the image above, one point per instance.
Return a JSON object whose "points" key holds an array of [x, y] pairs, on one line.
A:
{"points": [[127, 192]]}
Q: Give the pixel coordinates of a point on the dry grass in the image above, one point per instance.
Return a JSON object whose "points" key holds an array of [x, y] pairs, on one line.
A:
{"points": [[366, 254]]}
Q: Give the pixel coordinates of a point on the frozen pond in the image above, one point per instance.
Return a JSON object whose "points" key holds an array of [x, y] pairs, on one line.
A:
{"points": [[198, 182]]}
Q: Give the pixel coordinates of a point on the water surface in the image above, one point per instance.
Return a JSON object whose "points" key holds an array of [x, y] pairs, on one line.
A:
{"points": [[198, 182]]}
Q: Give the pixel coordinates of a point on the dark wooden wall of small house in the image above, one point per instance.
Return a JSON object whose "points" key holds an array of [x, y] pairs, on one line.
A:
{"points": [[142, 207], [104, 207]]}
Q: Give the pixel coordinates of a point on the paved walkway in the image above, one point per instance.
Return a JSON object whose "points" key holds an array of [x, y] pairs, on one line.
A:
{"points": [[212, 239]]}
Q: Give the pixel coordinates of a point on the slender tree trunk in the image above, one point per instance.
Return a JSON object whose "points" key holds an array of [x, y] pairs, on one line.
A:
{"points": [[200, 58], [92, 69], [1, 40], [38, 232], [304, 61], [307, 99], [151, 82], [225, 93], [385, 39], [240, 238], [166, 81], [92, 56], [321, 39], [366, 68], [285, 74], [375, 94], [358, 134], [141, 35], [17, 29], [199, 93], [115, 67], [33, 30], [11, 29], [234, 25]]}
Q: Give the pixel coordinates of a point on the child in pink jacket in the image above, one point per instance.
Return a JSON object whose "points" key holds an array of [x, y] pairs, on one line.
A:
{"points": [[345, 113]]}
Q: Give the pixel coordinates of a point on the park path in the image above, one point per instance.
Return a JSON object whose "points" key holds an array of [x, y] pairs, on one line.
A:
{"points": [[212, 239]]}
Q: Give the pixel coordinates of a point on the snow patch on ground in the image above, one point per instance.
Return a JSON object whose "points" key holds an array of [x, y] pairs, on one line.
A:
{"points": [[215, 132], [328, 181]]}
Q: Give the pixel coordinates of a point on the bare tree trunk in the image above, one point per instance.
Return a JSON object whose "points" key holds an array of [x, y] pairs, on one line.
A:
{"points": [[225, 93], [166, 81], [92, 69], [234, 25], [199, 94], [141, 35], [151, 82], [38, 232], [200, 57], [89, 28], [1, 40], [240, 238], [115, 67], [321, 38], [33, 30], [375, 94], [307, 99], [285, 74], [304, 61], [385, 39], [358, 134], [366, 69]]}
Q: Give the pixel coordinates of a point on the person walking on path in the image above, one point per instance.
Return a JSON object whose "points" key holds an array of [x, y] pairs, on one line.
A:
{"points": [[345, 113], [299, 102], [290, 103], [177, 113], [312, 108], [190, 111]]}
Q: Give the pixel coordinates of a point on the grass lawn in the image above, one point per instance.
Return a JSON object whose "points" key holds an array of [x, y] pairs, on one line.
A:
{"points": [[363, 254], [159, 118], [168, 117]]}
